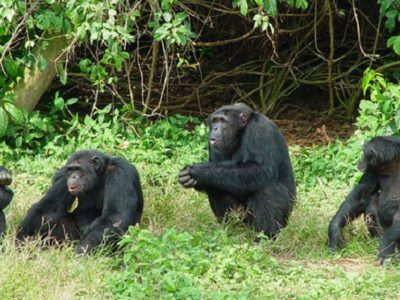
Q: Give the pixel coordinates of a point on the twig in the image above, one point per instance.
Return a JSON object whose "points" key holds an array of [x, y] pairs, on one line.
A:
{"points": [[371, 56], [224, 42]]}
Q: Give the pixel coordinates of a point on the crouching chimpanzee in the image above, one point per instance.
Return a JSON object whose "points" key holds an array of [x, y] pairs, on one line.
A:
{"points": [[6, 195], [377, 196], [109, 199], [249, 167]]}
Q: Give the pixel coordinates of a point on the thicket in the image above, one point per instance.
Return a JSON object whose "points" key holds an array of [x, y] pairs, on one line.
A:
{"points": [[151, 57]]}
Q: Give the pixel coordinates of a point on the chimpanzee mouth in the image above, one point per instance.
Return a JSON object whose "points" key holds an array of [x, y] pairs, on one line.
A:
{"points": [[73, 189], [212, 141]]}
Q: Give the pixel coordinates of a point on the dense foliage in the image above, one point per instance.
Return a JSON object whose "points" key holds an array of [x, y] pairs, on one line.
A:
{"points": [[148, 57]]}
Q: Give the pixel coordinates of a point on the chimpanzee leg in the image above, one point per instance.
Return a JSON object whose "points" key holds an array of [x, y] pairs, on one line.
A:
{"points": [[65, 229], [371, 216], [85, 217], [221, 203], [268, 210]]}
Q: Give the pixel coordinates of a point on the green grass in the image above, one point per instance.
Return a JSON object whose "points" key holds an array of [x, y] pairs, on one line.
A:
{"points": [[181, 252]]}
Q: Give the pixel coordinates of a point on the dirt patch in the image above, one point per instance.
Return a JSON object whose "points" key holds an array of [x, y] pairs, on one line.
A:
{"points": [[305, 127], [347, 264]]}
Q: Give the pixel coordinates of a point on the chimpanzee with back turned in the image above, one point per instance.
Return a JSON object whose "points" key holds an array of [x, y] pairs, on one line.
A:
{"points": [[6, 195], [249, 167], [377, 196], [109, 200]]}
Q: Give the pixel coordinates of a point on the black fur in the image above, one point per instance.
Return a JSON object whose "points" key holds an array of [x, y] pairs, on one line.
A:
{"points": [[6, 195], [110, 199], [377, 196], [249, 167]]}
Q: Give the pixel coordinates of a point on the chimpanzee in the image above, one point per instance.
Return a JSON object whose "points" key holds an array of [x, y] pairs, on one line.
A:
{"points": [[109, 197], [6, 195], [249, 167], [377, 196]]}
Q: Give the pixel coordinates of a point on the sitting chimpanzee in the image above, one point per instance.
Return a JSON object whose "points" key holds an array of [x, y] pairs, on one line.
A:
{"points": [[6, 195], [249, 167], [377, 196], [109, 199]]}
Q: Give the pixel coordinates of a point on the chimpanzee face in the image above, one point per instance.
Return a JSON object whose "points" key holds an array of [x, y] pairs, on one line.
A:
{"points": [[380, 156], [83, 173], [224, 130]]}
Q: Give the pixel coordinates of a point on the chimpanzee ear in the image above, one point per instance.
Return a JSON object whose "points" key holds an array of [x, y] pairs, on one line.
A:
{"points": [[96, 162], [243, 119]]}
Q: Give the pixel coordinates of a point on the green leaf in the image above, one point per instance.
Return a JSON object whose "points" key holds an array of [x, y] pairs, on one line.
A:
{"points": [[57, 23], [167, 17], [394, 42], [84, 65], [42, 63], [59, 103], [242, 4], [181, 17], [270, 7], [62, 73], [392, 13], [3, 121], [16, 115], [9, 14], [11, 67], [71, 101]]}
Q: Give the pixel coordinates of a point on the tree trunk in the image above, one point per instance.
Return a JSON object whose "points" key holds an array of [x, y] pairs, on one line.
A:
{"points": [[31, 88]]}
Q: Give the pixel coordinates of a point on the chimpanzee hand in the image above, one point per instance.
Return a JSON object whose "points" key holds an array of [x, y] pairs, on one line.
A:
{"points": [[5, 177], [189, 175], [186, 178]]}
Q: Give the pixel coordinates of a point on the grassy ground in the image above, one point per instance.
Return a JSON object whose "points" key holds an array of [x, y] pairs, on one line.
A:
{"points": [[183, 253]]}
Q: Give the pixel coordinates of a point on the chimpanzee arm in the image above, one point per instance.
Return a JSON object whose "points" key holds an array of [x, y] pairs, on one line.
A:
{"points": [[6, 195], [121, 200], [232, 177], [390, 239], [353, 206], [43, 215]]}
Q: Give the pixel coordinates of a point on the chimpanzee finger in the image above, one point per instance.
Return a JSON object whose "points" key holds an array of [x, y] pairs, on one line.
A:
{"points": [[191, 183], [184, 172], [183, 179]]}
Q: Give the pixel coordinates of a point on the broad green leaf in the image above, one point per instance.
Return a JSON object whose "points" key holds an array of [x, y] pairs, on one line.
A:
{"points": [[3, 121], [11, 67], [270, 7], [394, 42], [242, 4], [16, 115]]}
